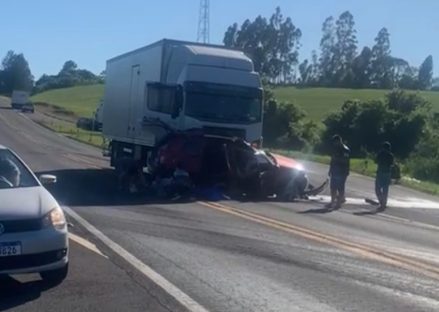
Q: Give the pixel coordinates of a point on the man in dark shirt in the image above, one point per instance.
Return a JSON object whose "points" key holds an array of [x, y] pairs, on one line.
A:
{"points": [[385, 162], [338, 171]]}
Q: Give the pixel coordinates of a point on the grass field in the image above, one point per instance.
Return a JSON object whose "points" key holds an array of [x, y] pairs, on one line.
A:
{"points": [[316, 102], [70, 130], [81, 100], [319, 102]]}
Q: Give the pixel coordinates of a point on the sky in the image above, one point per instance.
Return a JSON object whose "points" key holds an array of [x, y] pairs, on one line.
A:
{"points": [[49, 32]]}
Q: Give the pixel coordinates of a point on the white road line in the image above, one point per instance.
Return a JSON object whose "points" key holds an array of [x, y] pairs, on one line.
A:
{"points": [[85, 243], [403, 203], [159, 280]]}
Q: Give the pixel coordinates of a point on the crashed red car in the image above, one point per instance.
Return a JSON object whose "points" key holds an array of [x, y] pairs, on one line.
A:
{"points": [[234, 163]]}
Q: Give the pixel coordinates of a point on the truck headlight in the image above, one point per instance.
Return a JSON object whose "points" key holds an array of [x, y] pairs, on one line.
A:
{"points": [[55, 218]]}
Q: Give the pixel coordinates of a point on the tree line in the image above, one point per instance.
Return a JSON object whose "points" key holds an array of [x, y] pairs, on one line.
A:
{"points": [[15, 74], [69, 75], [273, 44]]}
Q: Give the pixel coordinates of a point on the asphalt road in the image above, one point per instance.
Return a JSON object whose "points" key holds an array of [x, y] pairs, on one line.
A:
{"points": [[229, 255]]}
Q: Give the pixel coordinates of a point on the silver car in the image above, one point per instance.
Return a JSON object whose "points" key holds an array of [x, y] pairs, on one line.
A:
{"points": [[33, 227]]}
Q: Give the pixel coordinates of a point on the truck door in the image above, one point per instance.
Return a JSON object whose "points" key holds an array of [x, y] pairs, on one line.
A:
{"points": [[134, 102]]}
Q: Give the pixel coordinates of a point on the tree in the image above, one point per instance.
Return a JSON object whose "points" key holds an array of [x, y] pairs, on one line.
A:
{"points": [[16, 74], [327, 47], [345, 49], [309, 72], [69, 75], [361, 68], [381, 61], [305, 72], [287, 45], [271, 44], [425, 77], [409, 79], [231, 36], [399, 68], [68, 67]]}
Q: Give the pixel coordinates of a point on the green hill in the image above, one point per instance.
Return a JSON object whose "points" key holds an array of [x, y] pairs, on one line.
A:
{"points": [[81, 100], [316, 102], [319, 102]]}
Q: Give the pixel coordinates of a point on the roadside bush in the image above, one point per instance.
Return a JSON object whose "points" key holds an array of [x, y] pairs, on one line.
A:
{"points": [[423, 163], [423, 168], [400, 119], [69, 76], [285, 125]]}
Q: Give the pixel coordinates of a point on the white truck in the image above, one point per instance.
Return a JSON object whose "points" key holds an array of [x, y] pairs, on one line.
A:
{"points": [[182, 85], [20, 100]]}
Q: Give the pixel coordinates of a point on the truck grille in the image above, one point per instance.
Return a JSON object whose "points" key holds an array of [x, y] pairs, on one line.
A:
{"points": [[17, 226], [228, 132]]}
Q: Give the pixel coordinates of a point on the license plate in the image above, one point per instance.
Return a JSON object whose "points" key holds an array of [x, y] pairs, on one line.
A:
{"points": [[10, 249]]}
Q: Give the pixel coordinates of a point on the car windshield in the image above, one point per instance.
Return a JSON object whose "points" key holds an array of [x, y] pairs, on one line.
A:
{"points": [[224, 105], [13, 174]]}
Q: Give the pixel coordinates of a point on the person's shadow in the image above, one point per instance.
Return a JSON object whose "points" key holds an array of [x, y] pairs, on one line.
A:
{"points": [[14, 293], [318, 211], [367, 213]]}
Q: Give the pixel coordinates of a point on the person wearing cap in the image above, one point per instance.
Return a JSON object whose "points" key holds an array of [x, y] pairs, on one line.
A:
{"points": [[385, 162], [338, 171]]}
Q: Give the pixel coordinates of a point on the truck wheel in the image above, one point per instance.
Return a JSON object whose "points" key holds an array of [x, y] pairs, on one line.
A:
{"points": [[55, 277]]}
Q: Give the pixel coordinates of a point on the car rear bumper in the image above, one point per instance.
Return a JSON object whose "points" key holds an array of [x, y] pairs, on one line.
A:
{"points": [[40, 251]]}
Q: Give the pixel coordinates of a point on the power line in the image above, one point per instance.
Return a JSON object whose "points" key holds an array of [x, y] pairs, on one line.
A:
{"points": [[204, 22]]}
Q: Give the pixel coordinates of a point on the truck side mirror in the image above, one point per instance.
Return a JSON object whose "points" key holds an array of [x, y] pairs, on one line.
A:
{"points": [[178, 103]]}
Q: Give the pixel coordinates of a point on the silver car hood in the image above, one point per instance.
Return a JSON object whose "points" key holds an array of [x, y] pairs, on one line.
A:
{"points": [[25, 203]]}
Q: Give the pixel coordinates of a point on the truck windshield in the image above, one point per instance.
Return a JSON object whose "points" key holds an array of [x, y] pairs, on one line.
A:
{"points": [[223, 104]]}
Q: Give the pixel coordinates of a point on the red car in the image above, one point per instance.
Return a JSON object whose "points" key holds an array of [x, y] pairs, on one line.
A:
{"points": [[234, 163]]}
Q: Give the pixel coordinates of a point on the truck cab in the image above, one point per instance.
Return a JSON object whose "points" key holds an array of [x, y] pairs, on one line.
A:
{"points": [[218, 91]]}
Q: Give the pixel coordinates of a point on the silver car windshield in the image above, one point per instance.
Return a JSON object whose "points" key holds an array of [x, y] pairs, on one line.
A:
{"points": [[13, 174]]}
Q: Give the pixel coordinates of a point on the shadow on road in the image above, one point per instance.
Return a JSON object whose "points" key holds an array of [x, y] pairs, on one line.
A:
{"points": [[91, 187], [366, 213], [317, 211], [14, 293], [98, 187]]}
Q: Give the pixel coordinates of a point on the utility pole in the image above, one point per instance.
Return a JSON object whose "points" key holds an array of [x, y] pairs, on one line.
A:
{"points": [[204, 22]]}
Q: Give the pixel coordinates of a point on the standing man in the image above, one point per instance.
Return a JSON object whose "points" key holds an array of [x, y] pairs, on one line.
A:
{"points": [[385, 161], [338, 171]]}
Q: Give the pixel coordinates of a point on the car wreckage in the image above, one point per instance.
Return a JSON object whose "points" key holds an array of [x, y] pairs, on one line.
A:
{"points": [[238, 167]]}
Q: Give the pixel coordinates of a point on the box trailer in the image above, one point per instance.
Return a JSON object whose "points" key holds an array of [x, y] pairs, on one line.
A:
{"points": [[179, 85], [20, 100]]}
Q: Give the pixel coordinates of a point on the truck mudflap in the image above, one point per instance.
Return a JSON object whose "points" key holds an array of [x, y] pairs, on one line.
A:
{"points": [[233, 163]]}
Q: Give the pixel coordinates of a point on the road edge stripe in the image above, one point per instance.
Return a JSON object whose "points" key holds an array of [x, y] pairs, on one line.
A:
{"points": [[182, 298]]}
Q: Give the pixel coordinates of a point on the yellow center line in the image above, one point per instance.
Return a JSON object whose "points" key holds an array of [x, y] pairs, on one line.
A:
{"points": [[357, 248]]}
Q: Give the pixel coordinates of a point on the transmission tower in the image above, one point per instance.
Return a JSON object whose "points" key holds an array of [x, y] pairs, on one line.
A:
{"points": [[204, 22]]}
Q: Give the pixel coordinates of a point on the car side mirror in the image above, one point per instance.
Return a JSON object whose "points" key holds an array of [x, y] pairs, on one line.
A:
{"points": [[178, 103], [47, 179]]}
